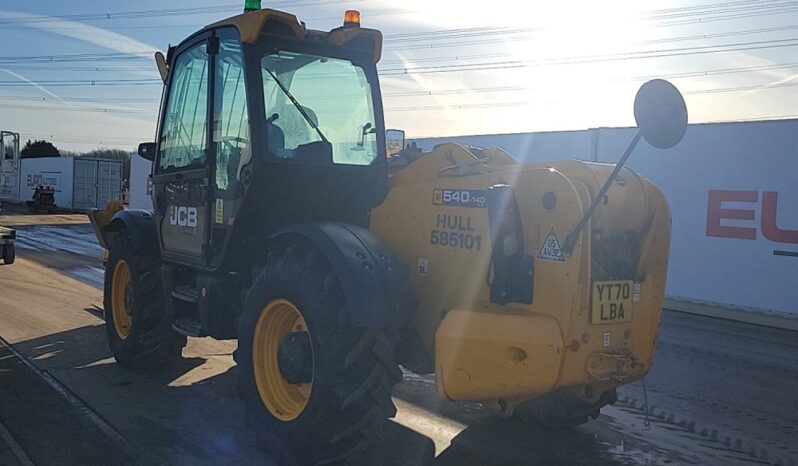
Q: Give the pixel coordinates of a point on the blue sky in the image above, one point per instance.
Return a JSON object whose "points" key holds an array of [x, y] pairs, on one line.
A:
{"points": [[449, 67]]}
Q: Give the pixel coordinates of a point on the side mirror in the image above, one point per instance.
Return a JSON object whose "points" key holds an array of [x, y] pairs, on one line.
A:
{"points": [[661, 117], [660, 113], [394, 141], [163, 67], [147, 150]]}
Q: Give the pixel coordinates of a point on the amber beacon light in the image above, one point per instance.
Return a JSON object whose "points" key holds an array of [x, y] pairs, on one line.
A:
{"points": [[352, 19]]}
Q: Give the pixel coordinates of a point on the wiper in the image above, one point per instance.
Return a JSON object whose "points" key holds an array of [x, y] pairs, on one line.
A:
{"points": [[297, 105]]}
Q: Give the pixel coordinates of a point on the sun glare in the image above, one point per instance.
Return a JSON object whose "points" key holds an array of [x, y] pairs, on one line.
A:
{"points": [[536, 91]]}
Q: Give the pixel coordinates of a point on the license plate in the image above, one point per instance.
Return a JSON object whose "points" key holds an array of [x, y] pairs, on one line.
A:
{"points": [[612, 302]]}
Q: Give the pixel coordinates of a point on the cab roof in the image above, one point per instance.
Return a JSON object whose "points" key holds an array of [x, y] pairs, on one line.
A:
{"points": [[251, 25]]}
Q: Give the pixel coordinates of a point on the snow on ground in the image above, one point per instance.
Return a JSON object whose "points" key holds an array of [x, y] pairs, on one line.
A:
{"points": [[76, 239], [93, 276], [73, 239]]}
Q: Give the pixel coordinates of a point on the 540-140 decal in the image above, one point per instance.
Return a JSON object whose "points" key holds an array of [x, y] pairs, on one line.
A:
{"points": [[455, 231], [460, 197]]}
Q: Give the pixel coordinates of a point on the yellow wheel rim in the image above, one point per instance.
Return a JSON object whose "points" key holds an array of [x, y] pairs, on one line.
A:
{"points": [[284, 400], [121, 299]]}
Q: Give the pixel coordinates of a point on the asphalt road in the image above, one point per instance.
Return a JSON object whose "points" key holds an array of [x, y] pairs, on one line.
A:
{"points": [[720, 392]]}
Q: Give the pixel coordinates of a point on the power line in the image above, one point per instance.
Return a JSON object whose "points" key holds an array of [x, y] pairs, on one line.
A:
{"points": [[84, 69], [451, 34], [688, 74], [684, 51], [503, 104], [646, 42], [761, 87], [164, 12], [691, 74], [59, 58], [198, 25], [756, 6], [479, 66], [75, 109], [78, 99], [86, 82]]}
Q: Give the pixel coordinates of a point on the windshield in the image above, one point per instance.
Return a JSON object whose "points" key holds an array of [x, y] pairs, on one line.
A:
{"points": [[311, 98]]}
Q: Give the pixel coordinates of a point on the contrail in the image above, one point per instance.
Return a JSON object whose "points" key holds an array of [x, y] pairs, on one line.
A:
{"points": [[87, 33], [36, 85]]}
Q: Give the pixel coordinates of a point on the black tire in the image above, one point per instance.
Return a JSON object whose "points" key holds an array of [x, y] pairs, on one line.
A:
{"points": [[561, 410], [150, 342], [9, 254], [353, 368]]}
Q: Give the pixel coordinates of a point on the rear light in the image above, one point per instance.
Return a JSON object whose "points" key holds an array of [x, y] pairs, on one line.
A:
{"points": [[351, 19], [512, 272]]}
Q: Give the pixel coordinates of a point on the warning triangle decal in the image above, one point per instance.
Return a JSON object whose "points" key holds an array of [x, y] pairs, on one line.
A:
{"points": [[550, 250]]}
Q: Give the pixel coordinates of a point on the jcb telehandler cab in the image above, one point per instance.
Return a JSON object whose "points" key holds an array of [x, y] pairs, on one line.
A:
{"points": [[275, 222]]}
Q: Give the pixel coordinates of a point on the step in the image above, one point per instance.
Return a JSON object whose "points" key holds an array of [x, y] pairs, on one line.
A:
{"points": [[187, 326], [185, 293]]}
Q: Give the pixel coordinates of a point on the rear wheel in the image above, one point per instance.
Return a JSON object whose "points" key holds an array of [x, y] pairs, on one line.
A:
{"points": [[139, 331], [9, 254], [317, 389]]}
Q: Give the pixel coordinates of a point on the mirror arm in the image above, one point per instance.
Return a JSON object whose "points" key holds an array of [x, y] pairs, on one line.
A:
{"points": [[573, 235]]}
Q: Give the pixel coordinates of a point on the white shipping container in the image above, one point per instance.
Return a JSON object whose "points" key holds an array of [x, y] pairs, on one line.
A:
{"points": [[79, 183], [109, 182], [84, 190], [733, 196]]}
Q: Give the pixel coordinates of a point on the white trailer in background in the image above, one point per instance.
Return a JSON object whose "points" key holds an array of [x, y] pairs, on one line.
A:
{"points": [[80, 183], [734, 202], [9, 166], [140, 183]]}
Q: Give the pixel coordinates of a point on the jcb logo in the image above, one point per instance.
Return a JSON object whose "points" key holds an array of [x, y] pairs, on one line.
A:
{"points": [[183, 216]]}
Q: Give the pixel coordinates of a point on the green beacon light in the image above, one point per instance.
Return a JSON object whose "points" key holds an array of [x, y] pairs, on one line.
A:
{"points": [[251, 5]]}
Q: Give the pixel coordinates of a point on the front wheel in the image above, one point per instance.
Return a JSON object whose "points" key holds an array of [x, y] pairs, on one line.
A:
{"points": [[317, 388], [139, 331]]}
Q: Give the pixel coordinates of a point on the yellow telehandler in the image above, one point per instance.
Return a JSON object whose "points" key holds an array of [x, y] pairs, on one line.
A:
{"points": [[280, 220]]}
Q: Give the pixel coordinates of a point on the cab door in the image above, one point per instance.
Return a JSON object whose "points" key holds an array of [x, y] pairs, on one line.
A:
{"points": [[182, 169], [230, 141]]}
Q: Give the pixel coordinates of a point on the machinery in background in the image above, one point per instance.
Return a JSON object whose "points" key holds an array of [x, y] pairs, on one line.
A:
{"points": [[43, 200]]}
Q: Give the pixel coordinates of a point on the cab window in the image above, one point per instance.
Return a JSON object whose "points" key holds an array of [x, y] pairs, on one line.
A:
{"points": [[184, 137], [310, 98]]}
